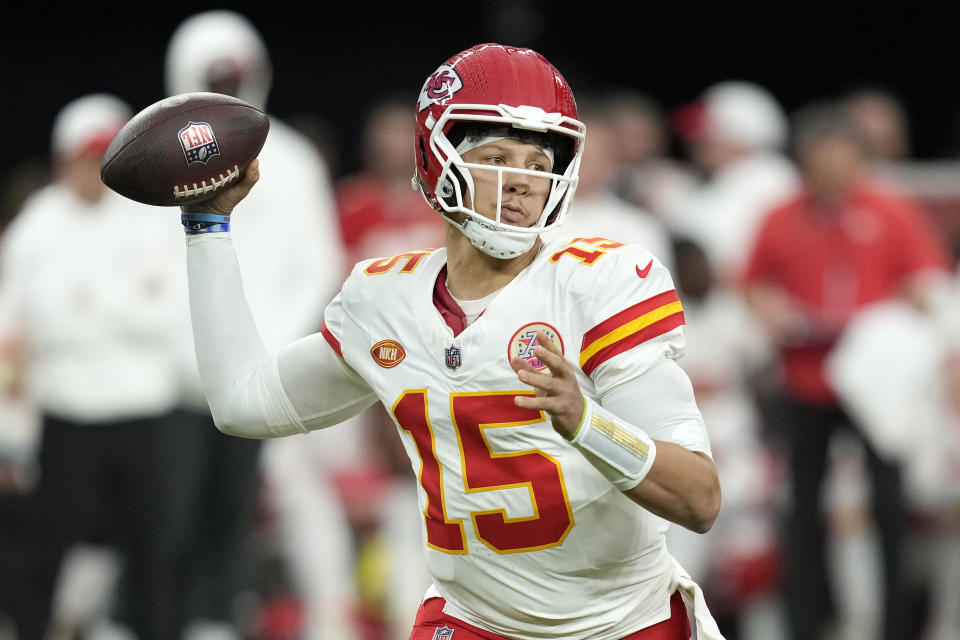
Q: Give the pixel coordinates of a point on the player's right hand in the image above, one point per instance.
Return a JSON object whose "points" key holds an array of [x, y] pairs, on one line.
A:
{"points": [[224, 202], [557, 389]]}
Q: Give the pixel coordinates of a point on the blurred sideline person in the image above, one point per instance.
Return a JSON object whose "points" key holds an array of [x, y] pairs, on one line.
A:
{"points": [[894, 368], [843, 241], [883, 123], [90, 304], [738, 562], [646, 176], [533, 526], [734, 134], [291, 262], [380, 215], [598, 211]]}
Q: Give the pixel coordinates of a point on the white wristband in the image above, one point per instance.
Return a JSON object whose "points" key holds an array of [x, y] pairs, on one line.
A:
{"points": [[620, 451]]}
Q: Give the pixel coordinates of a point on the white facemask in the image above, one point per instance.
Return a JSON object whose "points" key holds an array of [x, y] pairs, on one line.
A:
{"points": [[493, 237]]}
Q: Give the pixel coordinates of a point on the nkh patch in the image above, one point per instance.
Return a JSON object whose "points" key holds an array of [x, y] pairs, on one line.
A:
{"points": [[198, 142], [388, 353], [524, 341], [443, 633], [452, 357]]}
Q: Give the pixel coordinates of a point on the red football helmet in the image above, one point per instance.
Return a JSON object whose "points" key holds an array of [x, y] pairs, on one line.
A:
{"points": [[519, 92]]}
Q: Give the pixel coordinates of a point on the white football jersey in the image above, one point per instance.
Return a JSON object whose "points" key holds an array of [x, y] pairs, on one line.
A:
{"points": [[523, 536]]}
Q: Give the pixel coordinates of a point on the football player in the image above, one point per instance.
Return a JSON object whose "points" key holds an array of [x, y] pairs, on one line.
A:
{"points": [[534, 385]]}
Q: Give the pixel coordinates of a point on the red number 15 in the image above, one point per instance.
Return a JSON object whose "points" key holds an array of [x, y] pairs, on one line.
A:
{"points": [[485, 470]]}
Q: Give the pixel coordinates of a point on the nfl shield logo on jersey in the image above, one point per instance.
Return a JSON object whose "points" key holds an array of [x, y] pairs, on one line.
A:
{"points": [[443, 633], [198, 142], [452, 356]]}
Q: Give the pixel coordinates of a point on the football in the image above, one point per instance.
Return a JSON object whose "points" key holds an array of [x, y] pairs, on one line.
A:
{"points": [[184, 149]]}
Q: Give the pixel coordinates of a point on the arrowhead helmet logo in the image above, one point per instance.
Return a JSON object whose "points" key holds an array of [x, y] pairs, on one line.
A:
{"points": [[444, 82]]}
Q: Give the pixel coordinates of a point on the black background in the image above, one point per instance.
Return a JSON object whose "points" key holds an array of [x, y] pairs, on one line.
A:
{"points": [[333, 60]]}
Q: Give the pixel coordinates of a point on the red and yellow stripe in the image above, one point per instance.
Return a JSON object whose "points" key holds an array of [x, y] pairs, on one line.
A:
{"points": [[631, 327]]}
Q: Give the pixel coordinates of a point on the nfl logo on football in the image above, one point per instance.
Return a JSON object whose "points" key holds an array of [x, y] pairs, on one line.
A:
{"points": [[452, 356], [443, 633], [198, 142]]}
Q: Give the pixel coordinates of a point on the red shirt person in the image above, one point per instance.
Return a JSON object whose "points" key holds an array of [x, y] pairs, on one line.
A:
{"points": [[841, 243], [380, 215], [817, 262]]}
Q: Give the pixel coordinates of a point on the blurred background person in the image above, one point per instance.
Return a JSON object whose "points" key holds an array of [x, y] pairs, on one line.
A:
{"points": [[739, 560], [895, 370], [647, 176], [734, 134], [597, 211], [883, 123], [380, 214], [841, 242], [89, 309], [292, 263]]}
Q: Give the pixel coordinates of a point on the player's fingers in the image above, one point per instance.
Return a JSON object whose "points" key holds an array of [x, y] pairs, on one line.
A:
{"points": [[546, 342], [536, 379], [519, 364], [539, 403], [249, 178], [224, 203], [549, 353]]}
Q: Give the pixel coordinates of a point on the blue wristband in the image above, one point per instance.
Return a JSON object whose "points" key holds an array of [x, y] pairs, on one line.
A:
{"points": [[194, 223]]}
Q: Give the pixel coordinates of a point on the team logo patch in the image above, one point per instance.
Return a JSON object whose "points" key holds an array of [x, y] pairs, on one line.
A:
{"points": [[452, 357], [198, 142], [388, 353], [443, 633], [524, 341], [444, 82]]}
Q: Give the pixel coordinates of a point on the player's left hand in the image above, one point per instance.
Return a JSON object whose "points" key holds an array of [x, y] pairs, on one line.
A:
{"points": [[556, 389]]}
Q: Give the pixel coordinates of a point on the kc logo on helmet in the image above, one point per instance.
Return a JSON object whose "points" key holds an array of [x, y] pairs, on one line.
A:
{"points": [[198, 142], [444, 82], [524, 341]]}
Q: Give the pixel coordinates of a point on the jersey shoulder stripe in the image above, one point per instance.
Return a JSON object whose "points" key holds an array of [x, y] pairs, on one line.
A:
{"points": [[628, 328]]}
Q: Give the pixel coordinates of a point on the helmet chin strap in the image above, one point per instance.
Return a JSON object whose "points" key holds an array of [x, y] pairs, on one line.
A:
{"points": [[497, 243]]}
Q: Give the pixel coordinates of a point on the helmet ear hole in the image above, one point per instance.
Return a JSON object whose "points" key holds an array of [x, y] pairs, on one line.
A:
{"points": [[423, 154], [447, 191]]}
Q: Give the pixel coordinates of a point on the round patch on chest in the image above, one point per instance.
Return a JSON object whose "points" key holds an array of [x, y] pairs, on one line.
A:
{"points": [[524, 341]]}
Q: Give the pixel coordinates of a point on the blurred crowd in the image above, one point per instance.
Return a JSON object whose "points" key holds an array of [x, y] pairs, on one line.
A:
{"points": [[816, 260]]}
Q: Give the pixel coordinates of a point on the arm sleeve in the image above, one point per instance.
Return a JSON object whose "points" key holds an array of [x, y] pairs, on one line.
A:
{"points": [[661, 403], [246, 388]]}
